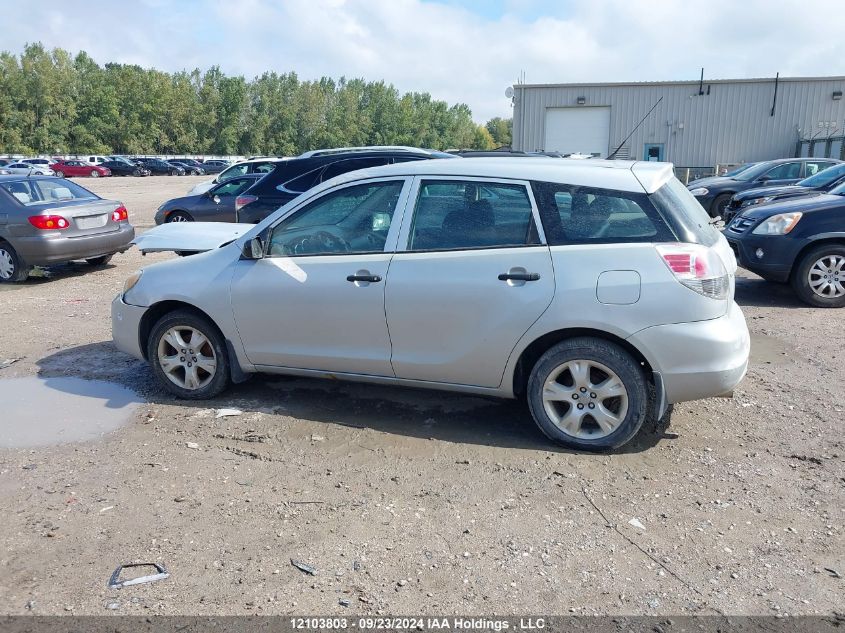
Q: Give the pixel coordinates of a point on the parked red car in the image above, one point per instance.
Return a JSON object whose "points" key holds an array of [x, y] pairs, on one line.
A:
{"points": [[78, 168]]}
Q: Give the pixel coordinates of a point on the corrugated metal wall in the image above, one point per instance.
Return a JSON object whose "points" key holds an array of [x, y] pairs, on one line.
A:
{"points": [[731, 124]]}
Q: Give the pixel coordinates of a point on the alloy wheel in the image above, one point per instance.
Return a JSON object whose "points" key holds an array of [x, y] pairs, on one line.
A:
{"points": [[7, 264], [187, 357], [585, 399], [827, 276]]}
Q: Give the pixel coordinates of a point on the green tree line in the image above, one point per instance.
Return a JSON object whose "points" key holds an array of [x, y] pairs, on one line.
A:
{"points": [[52, 102]]}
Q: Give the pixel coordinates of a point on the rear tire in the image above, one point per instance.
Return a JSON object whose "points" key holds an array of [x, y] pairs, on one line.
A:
{"points": [[588, 394], [188, 356], [819, 278], [99, 261], [12, 268], [720, 204]]}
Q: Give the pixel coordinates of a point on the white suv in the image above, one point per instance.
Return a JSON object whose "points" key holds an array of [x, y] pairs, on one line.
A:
{"points": [[597, 290]]}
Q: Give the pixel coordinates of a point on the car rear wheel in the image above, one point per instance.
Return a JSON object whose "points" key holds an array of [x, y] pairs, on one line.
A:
{"points": [[12, 267], [95, 173], [179, 216], [588, 394], [60, 174], [819, 278], [720, 204], [188, 356], [102, 260]]}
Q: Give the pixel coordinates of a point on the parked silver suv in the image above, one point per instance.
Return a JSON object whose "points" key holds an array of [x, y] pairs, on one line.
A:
{"points": [[598, 290]]}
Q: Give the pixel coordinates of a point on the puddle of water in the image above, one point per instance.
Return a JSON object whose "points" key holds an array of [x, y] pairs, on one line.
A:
{"points": [[43, 411], [768, 350]]}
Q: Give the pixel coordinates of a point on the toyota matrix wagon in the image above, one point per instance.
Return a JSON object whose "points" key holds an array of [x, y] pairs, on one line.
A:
{"points": [[597, 290]]}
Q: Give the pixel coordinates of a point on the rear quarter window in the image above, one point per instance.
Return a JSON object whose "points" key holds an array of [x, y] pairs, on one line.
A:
{"points": [[686, 215], [572, 214]]}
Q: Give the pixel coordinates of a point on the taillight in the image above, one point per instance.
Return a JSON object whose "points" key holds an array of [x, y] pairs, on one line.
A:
{"points": [[120, 214], [698, 268], [242, 201], [49, 222]]}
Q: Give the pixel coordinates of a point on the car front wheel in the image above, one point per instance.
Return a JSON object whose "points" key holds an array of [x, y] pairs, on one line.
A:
{"points": [[12, 267], [819, 278], [188, 356], [588, 394], [720, 204], [179, 216], [95, 173]]}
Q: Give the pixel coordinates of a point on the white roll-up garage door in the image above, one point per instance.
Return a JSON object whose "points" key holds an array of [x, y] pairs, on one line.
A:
{"points": [[583, 129]]}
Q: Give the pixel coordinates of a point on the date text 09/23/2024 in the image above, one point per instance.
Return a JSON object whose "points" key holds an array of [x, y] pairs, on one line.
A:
{"points": [[418, 623]]}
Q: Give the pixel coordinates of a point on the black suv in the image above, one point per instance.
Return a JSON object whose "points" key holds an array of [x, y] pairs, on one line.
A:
{"points": [[799, 240], [292, 177], [715, 193]]}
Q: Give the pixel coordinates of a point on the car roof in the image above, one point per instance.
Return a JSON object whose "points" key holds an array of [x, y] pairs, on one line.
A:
{"points": [[620, 175]]}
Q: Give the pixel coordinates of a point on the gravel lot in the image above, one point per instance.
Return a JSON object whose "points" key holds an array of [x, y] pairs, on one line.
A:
{"points": [[417, 502]]}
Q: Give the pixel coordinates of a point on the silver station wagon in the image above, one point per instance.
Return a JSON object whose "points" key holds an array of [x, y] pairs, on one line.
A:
{"points": [[597, 290]]}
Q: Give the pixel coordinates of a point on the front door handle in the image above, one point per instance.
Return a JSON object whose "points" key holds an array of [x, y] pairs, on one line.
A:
{"points": [[519, 277], [369, 278]]}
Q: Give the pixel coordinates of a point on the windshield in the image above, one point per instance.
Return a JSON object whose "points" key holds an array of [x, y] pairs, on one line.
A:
{"points": [[824, 177], [754, 171], [31, 192], [738, 170]]}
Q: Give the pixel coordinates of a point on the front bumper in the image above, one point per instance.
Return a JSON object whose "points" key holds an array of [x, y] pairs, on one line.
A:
{"points": [[779, 253], [41, 250], [698, 360], [126, 326]]}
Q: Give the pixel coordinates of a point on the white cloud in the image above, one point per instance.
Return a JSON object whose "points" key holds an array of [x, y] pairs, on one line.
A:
{"points": [[448, 50]]}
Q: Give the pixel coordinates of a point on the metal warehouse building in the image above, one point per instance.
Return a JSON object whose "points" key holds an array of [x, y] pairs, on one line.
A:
{"points": [[696, 124]]}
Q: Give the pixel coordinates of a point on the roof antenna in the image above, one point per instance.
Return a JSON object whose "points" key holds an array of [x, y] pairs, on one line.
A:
{"points": [[635, 129]]}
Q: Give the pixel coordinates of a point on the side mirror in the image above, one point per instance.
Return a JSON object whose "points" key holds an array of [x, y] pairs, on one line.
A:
{"points": [[216, 199], [764, 178], [253, 249]]}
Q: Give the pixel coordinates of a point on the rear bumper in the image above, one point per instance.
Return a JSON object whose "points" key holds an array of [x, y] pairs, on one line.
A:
{"points": [[700, 359], [41, 250], [126, 326]]}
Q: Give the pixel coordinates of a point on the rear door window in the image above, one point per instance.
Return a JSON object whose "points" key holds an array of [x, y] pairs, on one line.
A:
{"points": [[586, 215], [459, 215]]}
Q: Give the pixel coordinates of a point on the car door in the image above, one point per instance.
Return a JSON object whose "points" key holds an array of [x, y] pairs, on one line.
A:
{"points": [[782, 174], [316, 299], [471, 275]]}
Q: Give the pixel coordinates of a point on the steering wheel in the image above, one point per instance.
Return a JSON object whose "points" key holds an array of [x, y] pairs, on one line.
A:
{"points": [[322, 242]]}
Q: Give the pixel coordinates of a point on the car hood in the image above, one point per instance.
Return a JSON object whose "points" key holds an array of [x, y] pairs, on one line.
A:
{"points": [[179, 202], [805, 204], [761, 192], [710, 182], [193, 237]]}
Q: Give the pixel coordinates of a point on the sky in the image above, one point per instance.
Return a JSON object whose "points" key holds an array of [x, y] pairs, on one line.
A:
{"points": [[465, 51]]}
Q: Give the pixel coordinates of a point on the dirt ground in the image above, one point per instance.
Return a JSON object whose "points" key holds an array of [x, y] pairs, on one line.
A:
{"points": [[409, 502]]}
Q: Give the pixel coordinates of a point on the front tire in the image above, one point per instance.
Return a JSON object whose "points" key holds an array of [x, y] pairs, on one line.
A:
{"points": [[12, 268], [819, 278], [179, 216], [588, 394], [720, 204], [188, 356], [95, 173], [60, 174]]}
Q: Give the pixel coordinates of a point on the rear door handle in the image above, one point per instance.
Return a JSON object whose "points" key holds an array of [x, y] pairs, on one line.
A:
{"points": [[370, 278], [519, 277]]}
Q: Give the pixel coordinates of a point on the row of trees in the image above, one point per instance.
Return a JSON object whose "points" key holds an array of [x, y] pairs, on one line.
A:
{"points": [[53, 102]]}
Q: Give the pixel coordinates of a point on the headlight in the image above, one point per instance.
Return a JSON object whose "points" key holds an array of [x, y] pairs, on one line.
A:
{"points": [[133, 279], [779, 224], [699, 191], [753, 201]]}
